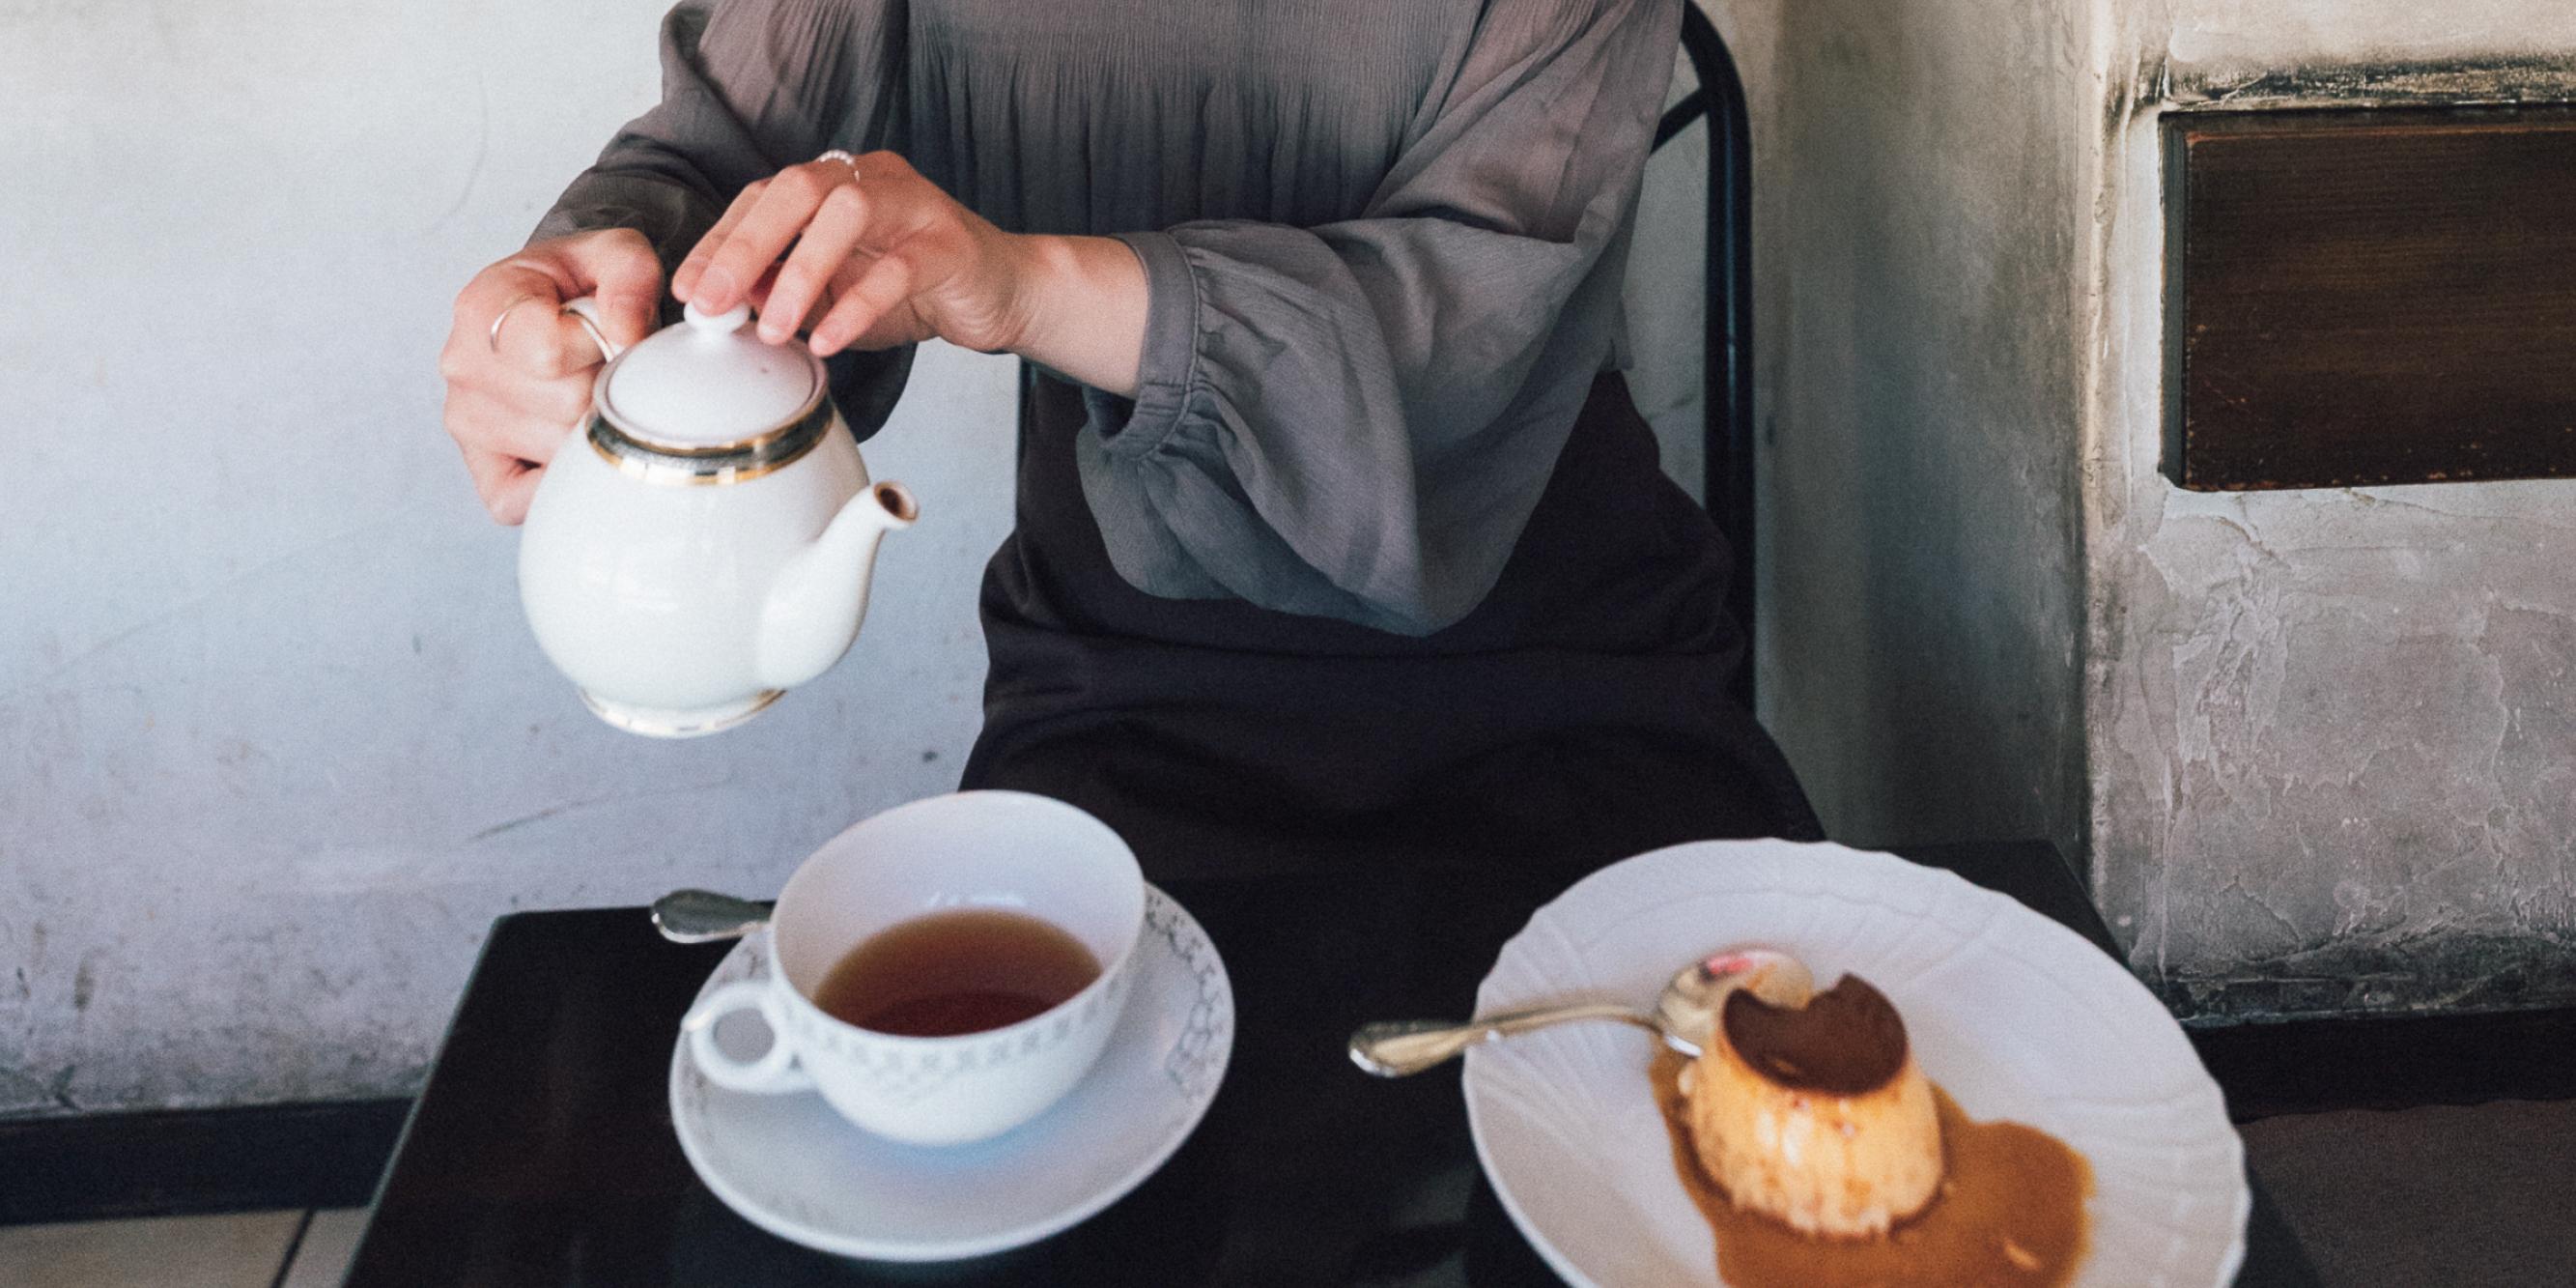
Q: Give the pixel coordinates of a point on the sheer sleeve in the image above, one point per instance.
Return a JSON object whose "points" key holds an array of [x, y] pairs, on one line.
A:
{"points": [[748, 89], [1355, 420]]}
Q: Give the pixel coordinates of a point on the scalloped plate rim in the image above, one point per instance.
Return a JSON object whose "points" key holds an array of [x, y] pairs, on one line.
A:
{"points": [[1504, 1080]]}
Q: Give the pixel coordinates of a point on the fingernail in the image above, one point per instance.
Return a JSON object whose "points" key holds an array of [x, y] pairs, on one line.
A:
{"points": [[714, 285]]}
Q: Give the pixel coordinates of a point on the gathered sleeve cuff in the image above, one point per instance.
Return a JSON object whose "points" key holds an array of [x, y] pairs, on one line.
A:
{"points": [[1356, 420]]}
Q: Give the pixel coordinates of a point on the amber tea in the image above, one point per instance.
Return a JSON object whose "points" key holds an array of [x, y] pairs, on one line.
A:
{"points": [[961, 971]]}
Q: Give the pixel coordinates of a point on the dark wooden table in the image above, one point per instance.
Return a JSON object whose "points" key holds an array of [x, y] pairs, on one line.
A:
{"points": [[542, 1154]]}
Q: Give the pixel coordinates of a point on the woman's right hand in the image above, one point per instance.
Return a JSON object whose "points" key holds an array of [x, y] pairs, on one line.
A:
{"points": [[519, 372]]}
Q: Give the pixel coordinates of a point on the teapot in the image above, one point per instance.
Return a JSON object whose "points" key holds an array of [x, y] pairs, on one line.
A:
{"points": [[703, 540]]}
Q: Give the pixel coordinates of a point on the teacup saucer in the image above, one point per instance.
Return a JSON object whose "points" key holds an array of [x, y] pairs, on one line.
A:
{"points": [[793, 1167]]}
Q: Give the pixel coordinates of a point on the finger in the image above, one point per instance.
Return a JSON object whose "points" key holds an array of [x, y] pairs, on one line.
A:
{"points": [[545, 343], [821, 257], [505, 453], [496, 470], [486, 307], [518, 277], [770, 224], [621, 271], [886, 285], [505, 486], [687, 280], [521, 425], [511, 311]]}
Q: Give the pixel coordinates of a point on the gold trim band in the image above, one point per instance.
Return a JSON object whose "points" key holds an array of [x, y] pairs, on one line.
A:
{"points": [[710, 467]]}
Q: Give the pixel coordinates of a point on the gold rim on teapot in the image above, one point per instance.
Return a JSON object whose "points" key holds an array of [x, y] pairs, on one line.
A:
{"points": [[735, 462]]}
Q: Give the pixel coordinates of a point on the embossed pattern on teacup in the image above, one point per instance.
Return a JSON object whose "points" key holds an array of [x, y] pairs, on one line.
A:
{"points": [[1207, 1037], [762, 1155], [905, 1071]]}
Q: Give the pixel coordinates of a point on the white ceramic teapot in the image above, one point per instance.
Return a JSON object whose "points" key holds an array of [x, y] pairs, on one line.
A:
{"points": [[702, 542]]}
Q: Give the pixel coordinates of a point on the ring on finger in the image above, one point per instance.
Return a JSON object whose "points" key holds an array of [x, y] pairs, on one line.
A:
{"points": [[494, 336], [844, 158]]}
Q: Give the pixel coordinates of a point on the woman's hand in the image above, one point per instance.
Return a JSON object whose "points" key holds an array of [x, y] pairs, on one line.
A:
{"points": [[867, 253], [519, 372]]}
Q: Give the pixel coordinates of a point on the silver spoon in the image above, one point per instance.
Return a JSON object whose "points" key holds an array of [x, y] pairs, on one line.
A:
{"points": [[1684, 1015], [703, 916]]}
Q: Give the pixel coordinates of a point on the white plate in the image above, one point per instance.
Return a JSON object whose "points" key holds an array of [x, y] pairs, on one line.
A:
{"points": [[793, 1167], [2016, 1016]]}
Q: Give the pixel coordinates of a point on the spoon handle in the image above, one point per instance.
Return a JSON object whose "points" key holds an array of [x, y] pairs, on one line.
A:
{"points": [[701, 916], [1394, 1048]]}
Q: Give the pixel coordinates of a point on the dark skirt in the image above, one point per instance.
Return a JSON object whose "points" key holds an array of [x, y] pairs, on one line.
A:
{"points": [[1578, 716]]}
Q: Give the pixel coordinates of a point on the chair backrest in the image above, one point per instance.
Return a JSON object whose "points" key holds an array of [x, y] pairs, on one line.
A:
{"points": [[1727, 397]]}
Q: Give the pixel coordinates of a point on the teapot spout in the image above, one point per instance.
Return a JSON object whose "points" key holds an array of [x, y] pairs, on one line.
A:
{"points": [[820, 595]]}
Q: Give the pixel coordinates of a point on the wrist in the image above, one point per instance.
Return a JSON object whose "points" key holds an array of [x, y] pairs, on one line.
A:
{"points": [[1085, 309]]}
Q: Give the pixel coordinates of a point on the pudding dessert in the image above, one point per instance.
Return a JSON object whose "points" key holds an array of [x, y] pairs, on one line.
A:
{"points": [[1817, 1115], [1822, 1157]]}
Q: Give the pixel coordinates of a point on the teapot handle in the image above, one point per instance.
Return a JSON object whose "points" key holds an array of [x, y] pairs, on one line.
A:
{"points": [[586, 311]]}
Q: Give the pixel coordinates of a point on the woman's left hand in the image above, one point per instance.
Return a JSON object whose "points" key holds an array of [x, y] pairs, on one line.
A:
{"points": [[869, 254]]}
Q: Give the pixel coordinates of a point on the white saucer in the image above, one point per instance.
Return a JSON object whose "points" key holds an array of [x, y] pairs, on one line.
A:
{"points": [[2016, 1016], [791, 1166]]}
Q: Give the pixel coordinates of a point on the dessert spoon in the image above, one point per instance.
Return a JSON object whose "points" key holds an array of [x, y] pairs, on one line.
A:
{"points": [[1684, 1015]]}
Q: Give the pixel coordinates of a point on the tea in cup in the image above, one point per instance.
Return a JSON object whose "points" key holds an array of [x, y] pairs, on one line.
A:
{"points": [[943, 971]]}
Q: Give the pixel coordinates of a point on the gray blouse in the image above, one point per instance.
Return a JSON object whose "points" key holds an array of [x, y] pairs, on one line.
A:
{"points": [[1383, 240]]}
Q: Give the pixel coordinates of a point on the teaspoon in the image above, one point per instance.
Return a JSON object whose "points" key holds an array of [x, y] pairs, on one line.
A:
{"points": [[1684, 1015], [703, 916]]}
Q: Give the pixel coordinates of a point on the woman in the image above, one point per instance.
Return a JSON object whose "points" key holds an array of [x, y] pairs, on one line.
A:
{"points": [[1338, 542]]}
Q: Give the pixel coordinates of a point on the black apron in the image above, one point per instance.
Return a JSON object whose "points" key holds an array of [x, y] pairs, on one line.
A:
{"points": [[1579, 715]]}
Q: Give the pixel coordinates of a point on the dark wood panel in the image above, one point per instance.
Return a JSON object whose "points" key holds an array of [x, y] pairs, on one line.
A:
{"points": [[2371, 297]]}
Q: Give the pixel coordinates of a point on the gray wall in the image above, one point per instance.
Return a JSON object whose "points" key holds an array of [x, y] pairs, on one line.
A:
{"points": [[275, 744], [1918, 243]]}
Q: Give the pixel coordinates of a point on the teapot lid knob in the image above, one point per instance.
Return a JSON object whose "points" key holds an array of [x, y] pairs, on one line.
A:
{"points": [[725, 323]]}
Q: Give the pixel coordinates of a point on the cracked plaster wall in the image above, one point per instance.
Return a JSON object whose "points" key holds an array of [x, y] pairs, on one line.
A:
{"points": [[2333, 731], [2314, 749]]}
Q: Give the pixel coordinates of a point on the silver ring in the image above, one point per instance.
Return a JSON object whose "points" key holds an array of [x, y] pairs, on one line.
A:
{"points": [[494, 338], [843, 157]]}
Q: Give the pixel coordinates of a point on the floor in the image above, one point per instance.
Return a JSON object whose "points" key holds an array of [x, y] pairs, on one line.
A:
{"points": [[2460, 1198], [2434, 1197], [244, 1250]]}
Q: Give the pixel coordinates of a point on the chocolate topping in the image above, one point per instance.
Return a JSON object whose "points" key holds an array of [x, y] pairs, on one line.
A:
{"points": [[1845, 1041]]}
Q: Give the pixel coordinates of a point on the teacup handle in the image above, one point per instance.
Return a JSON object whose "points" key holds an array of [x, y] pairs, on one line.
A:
{"points": [[776, 1069], [586, 311]]}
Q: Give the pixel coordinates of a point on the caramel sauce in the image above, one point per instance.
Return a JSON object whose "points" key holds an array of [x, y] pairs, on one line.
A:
{"points": [[2010, 1213]]}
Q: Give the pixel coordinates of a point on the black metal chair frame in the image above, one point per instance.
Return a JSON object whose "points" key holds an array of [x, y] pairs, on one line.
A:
{"points": [[1728, 382]]}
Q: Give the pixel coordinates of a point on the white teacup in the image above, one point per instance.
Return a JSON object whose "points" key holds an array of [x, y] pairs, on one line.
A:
{"points": [[987, 850]]}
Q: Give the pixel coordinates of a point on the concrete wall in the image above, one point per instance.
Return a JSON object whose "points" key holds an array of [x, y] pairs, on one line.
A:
{"points": [[2333, 731], [2314, 748], [1918, 238]]}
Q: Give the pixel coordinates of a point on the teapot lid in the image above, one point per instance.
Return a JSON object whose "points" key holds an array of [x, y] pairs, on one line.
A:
{"points": [[709, 383]]}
